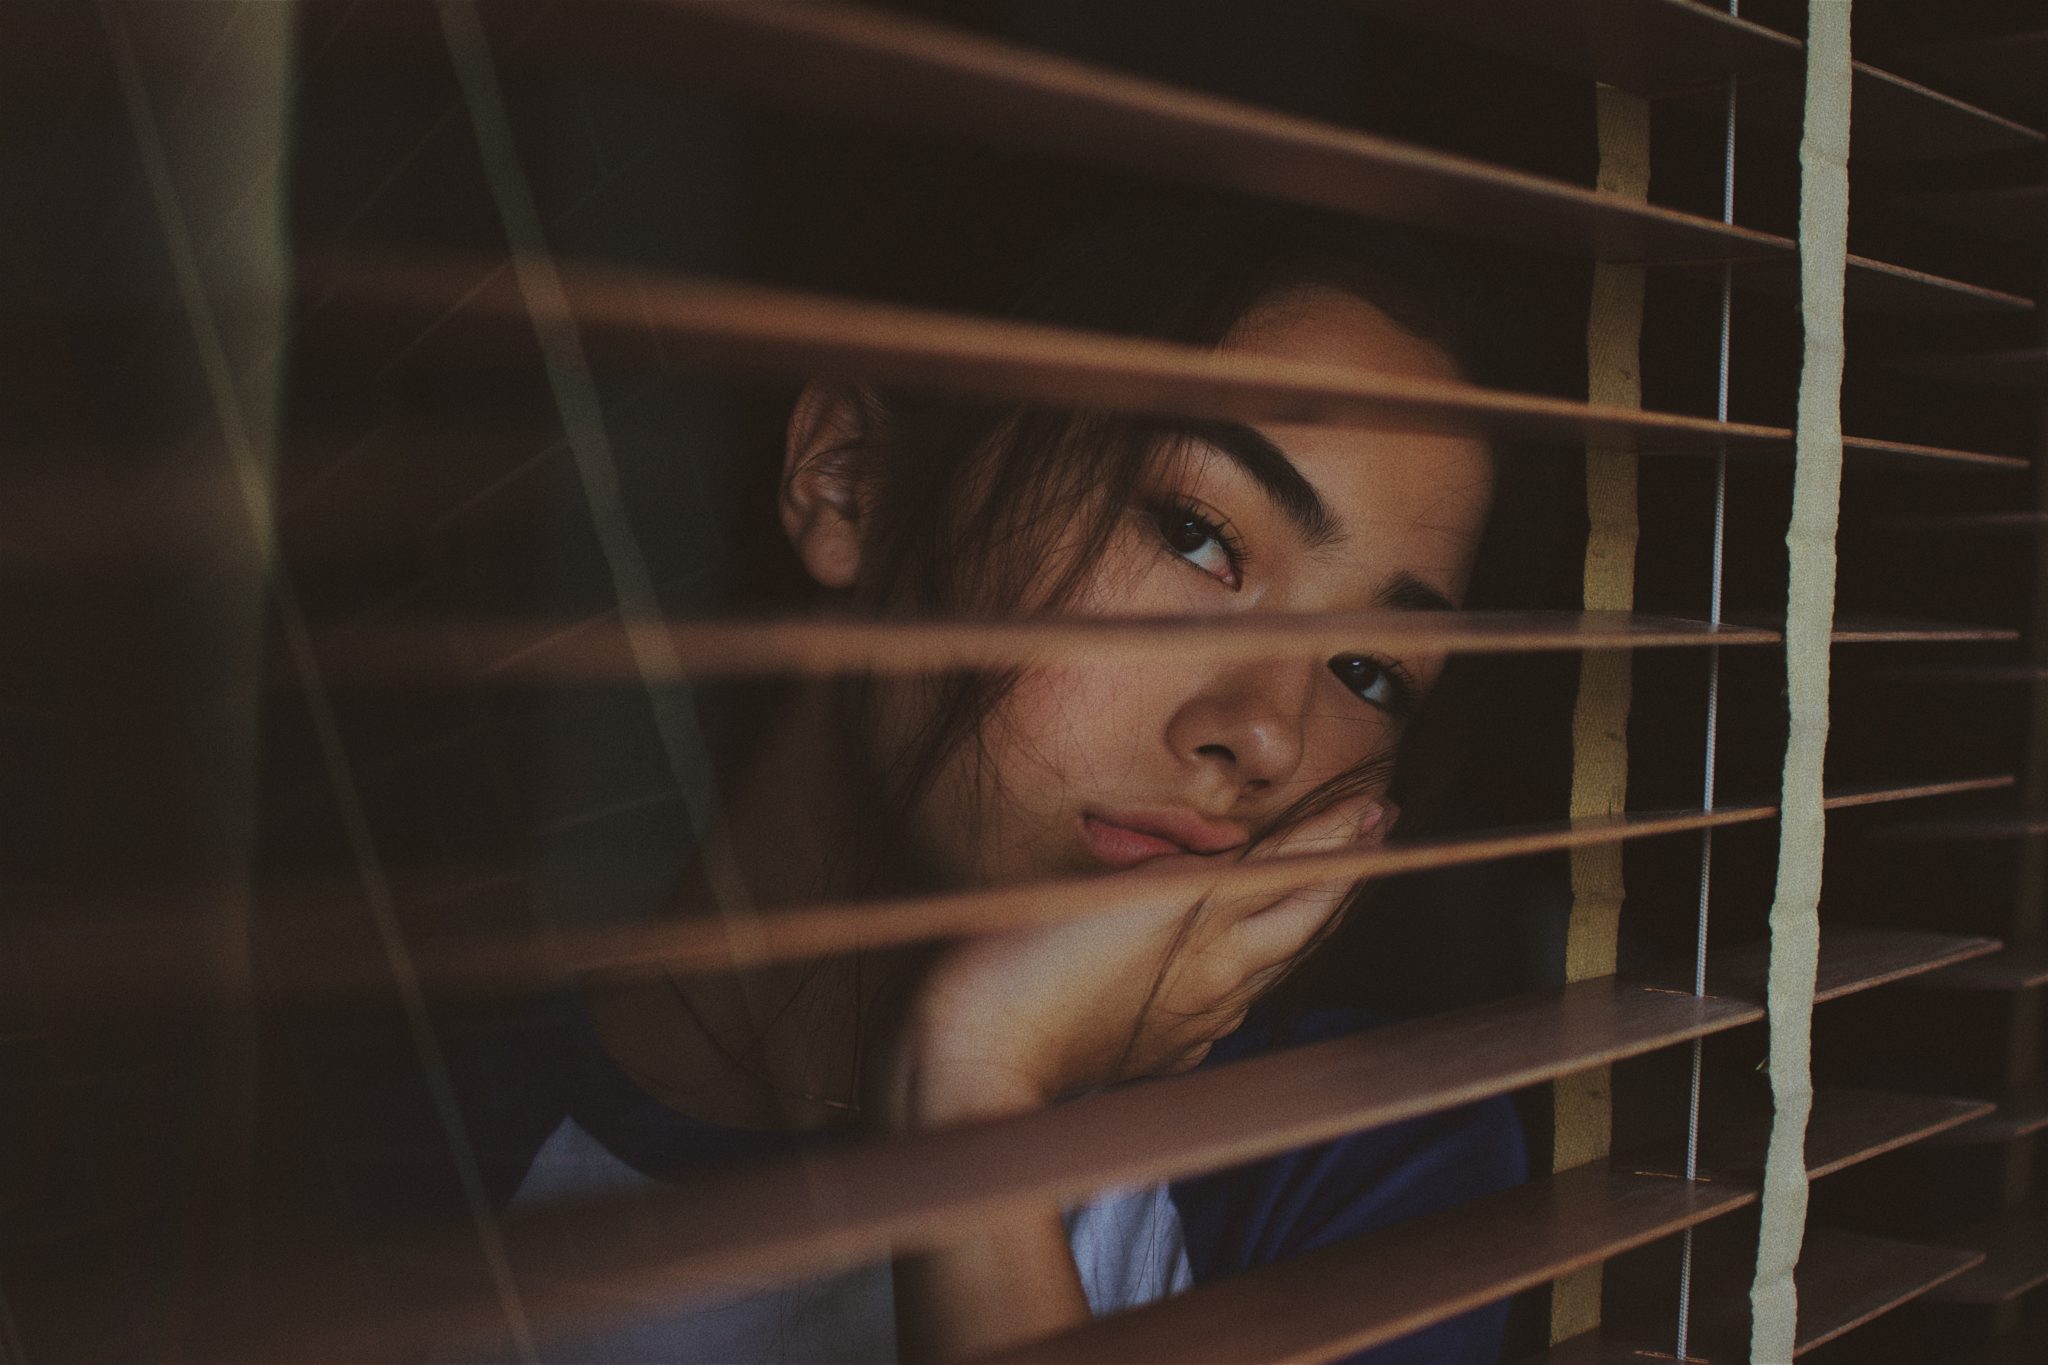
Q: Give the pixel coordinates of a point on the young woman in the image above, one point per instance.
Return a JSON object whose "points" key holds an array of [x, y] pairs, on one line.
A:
{"points": [[896, 505]]}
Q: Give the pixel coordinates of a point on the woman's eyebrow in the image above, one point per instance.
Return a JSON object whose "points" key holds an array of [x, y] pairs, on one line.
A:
{"points": [[1405, 592], [1269, 467]]}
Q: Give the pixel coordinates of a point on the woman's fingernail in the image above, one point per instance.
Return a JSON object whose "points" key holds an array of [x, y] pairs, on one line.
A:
{"points": [[1375, 815]]}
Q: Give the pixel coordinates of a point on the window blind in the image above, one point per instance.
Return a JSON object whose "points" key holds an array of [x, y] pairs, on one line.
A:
{"points": [[390, 552]]}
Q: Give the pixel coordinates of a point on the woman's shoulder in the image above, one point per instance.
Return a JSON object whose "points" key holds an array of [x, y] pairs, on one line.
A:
{"points": [[1294, 1202], [1235, 1220]]}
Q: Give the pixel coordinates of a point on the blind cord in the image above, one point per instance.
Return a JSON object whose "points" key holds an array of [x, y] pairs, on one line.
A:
{"points": [[1713, 719]]}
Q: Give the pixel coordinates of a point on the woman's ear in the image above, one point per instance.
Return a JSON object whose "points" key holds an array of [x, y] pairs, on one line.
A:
{"points": [[821, 504]]}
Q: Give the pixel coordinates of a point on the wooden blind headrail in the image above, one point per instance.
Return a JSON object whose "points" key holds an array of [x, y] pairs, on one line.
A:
{"points": [[476, 302], [848, 61], [845, 1206]]}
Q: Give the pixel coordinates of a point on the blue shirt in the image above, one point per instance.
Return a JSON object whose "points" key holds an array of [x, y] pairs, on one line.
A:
{"points": [[1132, 1246]]}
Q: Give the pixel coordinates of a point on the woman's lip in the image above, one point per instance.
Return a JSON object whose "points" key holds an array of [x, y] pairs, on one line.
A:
{"points": [[1126, 838], [1119, 846]]}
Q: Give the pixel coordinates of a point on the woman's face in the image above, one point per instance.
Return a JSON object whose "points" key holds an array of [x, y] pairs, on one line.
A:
{"points": [[1092, 766]]}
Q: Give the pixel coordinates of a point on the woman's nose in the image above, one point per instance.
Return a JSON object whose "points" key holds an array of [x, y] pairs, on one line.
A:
{"points": [[1248, 724]]}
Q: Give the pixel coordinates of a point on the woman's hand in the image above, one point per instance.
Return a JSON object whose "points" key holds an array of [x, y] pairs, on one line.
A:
{"points": [[1007, 1023]]}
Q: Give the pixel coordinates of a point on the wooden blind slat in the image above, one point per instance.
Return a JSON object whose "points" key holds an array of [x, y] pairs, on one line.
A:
{"points": [[1975, 827], [60, 956], [1360, 1293], [2015, 1261], [1909, 453], [464, 307], [1846, 797], [850, 1206], [808, 931], [470, 654], [1848, 1125], [2001, 70], [1896, 119], [2015, 969], [1851, 960], [850, 62], [1675, 48], [847, 61], [465, 304], [2018, 1114], [1859, 630], [1386, 1284], [1845, 1280], [846, 1206], [1875, 286], [1848, 1279]]}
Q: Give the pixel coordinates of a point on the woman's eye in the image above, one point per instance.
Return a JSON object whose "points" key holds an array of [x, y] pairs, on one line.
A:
{"points": [[1371, 681], [1199, 541]]}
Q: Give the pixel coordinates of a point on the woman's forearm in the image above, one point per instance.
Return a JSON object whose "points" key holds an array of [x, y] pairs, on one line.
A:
{"points": [[1001, 1280], [1007, 1280]]}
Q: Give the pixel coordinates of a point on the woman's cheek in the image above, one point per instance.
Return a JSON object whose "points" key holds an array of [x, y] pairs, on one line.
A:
{"points": [[1342, 734], [1068, 725]]}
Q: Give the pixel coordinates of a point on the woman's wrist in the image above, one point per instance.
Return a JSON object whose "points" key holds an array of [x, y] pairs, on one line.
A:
{"points": [[925, 1094], [936, 1079]]}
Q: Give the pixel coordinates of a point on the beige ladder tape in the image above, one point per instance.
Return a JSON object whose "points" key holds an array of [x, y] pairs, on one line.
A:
{"points": [[1582, 1126], [1809, 619]]}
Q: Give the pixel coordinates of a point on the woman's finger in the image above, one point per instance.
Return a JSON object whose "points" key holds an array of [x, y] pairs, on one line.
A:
{"points": [[1279, 929], [1343, 824], [1285, 927]]}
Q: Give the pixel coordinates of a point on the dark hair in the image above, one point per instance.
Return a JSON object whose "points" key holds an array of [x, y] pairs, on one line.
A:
{"points": [[967, 499]]}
